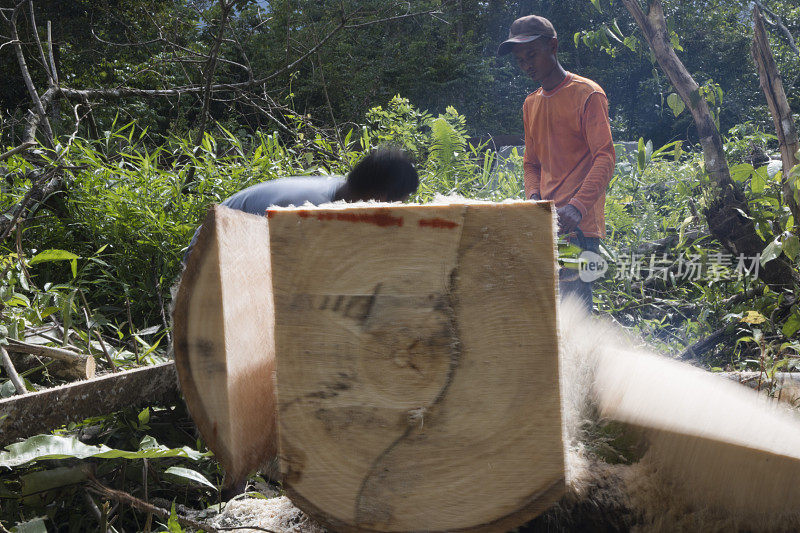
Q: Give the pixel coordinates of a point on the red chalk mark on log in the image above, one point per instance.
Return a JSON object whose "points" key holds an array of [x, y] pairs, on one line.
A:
{"points": [[437, 223], [270, 213], [382, 220]]}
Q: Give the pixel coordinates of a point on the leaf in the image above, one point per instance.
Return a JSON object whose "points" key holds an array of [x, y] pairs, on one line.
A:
{"points": [[144, 416], [611, 33], [36, 525], [640, 155], [172, 522], [754, 317], [791, 325], [189, 474], [42, 480], [791, 246], [772, 251], [149, 331], [52, 255], [741, 171], [759, 181], [676, 104], [596, 4], [17, 300], [41, 447]]}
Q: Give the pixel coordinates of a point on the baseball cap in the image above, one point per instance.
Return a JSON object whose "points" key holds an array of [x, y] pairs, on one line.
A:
{"points": [[525, 30]]}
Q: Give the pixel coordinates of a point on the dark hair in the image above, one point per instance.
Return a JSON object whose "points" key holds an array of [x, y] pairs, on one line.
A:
{"points": [[385, 173]]}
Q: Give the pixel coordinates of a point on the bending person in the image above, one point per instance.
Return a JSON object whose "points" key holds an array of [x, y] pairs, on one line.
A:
{"points": [[385, 175]]}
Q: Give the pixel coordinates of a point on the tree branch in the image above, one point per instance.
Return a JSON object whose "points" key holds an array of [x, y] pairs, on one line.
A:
{"points": [[12, 372], [17, 149], [772, 85], [776, 21], [211, 67], [26, 76], [125, 498]]}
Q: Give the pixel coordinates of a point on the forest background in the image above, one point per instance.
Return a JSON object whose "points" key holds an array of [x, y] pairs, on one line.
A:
{"points": [[121, 121]]}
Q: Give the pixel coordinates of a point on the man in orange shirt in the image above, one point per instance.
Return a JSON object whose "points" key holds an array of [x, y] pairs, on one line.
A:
{"points": [[569, 154]]}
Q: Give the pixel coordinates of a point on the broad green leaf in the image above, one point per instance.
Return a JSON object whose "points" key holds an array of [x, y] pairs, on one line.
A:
{"points": [[17, 300], [741, 171], [772, 251], [759, 181], [52, 255], [41, 447], [791, 246], [53, 478], [189, 474], [791, 325], [676, 104]]}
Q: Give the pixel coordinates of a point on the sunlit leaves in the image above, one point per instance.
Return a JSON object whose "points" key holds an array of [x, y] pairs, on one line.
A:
{"points": [[675, 104]]}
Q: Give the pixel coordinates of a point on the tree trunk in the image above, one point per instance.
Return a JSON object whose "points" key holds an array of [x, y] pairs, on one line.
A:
{"points": [[416, 356], [772, 85], [727, 213]]}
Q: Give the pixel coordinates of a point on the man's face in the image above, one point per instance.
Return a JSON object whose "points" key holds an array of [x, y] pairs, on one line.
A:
{"points": [[536, 58]]}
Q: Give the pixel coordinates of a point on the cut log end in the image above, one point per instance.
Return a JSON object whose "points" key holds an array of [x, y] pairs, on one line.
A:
{"points": [[417, 376]]}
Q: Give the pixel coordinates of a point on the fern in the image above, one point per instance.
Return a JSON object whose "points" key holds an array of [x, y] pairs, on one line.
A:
{"points": [[446, 143]]}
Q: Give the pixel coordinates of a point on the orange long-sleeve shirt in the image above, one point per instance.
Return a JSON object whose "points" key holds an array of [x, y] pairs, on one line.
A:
{"points": [[569, 154]]}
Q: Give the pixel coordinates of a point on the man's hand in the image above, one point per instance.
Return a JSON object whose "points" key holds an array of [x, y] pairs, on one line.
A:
{"points": [[568, 218]]}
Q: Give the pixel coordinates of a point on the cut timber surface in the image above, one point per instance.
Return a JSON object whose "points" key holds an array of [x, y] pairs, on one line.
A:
{"points": [[416, 351], [726, 446], [223, 328]]}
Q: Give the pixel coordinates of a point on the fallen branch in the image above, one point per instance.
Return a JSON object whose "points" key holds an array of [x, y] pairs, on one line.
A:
{"points": [[33, 413], [85, 362], [123, 497], [702, 346], [785, 385], [12, 372], [17, 149]]}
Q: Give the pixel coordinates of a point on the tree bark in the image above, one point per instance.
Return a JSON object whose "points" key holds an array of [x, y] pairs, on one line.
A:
{"points": [[727, 213], [772, 85], [83, 364], [35, 412]]}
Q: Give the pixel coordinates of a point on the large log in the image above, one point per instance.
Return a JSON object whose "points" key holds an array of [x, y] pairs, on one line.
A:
{"points": [[725, 446], [35, 412], [416, 350]]}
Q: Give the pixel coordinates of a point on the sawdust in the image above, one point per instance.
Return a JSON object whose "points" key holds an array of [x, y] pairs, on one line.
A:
{"points": [[275, 514]]}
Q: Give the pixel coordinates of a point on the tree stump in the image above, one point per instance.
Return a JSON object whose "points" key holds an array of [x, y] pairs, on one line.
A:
{"points": [[414, 352]]}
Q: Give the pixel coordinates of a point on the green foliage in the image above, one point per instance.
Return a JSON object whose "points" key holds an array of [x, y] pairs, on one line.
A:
{"points": [[112, 241], [47, 447]]}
